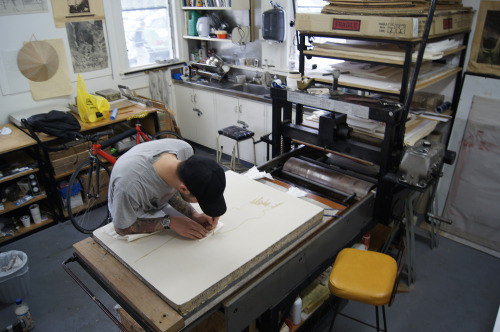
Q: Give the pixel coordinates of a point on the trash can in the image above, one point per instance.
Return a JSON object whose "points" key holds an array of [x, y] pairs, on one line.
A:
{"points": [[14, 276]]}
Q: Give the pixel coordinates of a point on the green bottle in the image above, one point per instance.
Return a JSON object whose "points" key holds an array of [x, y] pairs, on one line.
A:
{"points": [[193, 17]]}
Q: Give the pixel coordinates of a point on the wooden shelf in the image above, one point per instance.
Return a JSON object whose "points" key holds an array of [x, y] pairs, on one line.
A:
{"points": [[206, 8], [18, 175], [17, 140], [227, 40], [367, 57], [234, 5], [9, 206], [25, 230], [421, 84]]}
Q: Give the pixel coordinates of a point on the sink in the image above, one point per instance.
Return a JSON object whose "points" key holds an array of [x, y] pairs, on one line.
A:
{"points": [[253, 89]]}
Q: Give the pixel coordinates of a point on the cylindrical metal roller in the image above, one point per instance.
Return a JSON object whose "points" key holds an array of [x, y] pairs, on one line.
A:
{"points": [[340, 182]]}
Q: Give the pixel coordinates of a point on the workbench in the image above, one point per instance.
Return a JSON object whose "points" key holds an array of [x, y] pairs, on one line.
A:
{"points": [[17, 147], [262, 291]]}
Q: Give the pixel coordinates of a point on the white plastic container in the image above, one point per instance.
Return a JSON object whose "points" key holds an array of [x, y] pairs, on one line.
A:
{"points": [[24, 315], [291, 80], [15, 282], [296, 311], [35, 213]]}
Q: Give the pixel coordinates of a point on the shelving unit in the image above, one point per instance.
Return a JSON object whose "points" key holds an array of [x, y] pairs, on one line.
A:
{"points": [[20, 148], [245, 5], [405, 64]]}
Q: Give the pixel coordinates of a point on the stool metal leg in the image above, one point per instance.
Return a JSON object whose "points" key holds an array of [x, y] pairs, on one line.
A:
{"points": [[376, 314], [240, 167], [336, 305], [254, 154], [233, 156], [385, 322], [219, 151]]}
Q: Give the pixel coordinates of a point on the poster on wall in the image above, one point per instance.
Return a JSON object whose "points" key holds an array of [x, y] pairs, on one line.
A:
{"points": [[14, 7], [87, 46], [59, 83], [485, 50], [76, 11]]}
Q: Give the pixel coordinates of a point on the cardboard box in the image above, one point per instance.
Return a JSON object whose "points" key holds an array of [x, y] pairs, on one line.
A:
{"points": [[394, 27], [76, 201], [73, 159], [69, 163], [72, 148]]}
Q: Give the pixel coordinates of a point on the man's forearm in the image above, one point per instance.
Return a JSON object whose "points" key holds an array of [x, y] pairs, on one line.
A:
{"points": [[181, 205], [142, 225]]}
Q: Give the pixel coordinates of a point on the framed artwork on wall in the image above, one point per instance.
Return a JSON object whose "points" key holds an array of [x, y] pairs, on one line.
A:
{"points": [[485, 50]]}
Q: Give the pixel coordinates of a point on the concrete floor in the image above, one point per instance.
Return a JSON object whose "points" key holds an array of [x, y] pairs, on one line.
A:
{"points": [[456, 289]]}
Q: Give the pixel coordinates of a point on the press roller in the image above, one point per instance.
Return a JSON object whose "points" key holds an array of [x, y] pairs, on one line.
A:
{"points": [[342, 183]]}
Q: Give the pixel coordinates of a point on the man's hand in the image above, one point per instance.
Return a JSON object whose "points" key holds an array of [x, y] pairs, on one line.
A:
{"points": [[208, 222], [187, 227]]}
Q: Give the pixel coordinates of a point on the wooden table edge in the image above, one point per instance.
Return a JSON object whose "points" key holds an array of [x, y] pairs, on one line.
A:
{"points": [[152, 309]]}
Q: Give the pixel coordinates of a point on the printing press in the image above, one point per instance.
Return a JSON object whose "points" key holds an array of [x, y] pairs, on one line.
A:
{"points": [[373, 178]]}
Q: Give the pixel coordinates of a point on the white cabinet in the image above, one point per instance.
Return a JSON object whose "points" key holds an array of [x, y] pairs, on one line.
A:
{"points": [[243, 113], [196, 115]]}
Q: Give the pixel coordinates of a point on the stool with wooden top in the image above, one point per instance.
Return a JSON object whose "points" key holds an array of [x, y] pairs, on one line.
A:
{"points": [[238, 134], [364, 276]]}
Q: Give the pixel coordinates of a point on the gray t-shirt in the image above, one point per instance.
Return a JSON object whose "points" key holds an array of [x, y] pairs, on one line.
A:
{"points": [[135, 189]]}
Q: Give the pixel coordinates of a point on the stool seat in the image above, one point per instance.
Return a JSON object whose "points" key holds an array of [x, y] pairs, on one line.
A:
{"points": [[363, 276], [236, 133]]}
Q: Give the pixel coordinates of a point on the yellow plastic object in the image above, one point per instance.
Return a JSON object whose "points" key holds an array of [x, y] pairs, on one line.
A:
{"points": [[141, 115], [91, 108], [363, 276]]}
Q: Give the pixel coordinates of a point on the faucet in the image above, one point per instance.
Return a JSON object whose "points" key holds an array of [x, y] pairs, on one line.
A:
{"points": [[267, 79], [257, 78]]}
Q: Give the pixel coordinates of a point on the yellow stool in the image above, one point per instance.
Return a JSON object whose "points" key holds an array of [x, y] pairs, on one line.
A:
{"points": [[364, 276]]}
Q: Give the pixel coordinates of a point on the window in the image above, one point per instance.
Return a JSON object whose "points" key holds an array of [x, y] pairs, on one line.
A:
{"points": [[310, 6], [149, 33], [315, 6]]}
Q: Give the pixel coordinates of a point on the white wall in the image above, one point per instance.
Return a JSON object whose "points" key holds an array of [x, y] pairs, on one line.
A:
{"points": [[17, 29]]}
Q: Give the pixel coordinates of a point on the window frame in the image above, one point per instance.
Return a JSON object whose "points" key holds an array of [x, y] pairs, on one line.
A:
{"points": [[116, 28]]}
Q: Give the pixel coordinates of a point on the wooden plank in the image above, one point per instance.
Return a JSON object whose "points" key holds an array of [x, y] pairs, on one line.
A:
{"points": [[122, 115], [151, 308], [18, 139]]}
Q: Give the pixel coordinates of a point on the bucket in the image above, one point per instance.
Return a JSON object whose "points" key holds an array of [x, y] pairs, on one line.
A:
{"points": [[14, 283]]}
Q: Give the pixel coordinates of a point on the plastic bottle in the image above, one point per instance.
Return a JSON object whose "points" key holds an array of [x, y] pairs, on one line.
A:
{"points": [[186, 70], [114, 113], [24, 315], [296, 311]]}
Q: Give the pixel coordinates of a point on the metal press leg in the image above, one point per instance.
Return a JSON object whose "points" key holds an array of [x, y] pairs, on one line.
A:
{"points": [[410, 237]]}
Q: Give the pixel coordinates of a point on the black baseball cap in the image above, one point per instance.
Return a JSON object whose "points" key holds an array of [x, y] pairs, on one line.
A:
{"points": [[206, 180]]}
